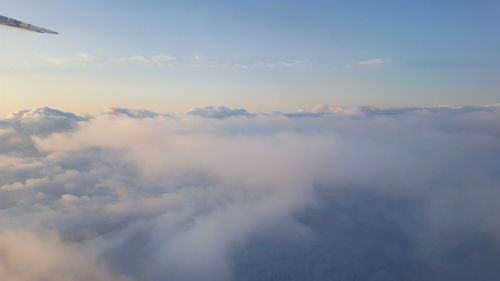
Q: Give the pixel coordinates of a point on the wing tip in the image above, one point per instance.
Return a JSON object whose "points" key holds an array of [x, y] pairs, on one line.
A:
{"points": [[22, 25]]}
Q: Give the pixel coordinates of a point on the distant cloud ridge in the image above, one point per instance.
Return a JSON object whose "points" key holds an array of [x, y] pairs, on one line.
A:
{"points": [[218, 112]]}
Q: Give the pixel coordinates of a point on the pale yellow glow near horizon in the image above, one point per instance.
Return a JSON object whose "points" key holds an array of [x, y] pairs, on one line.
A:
{"points": [[76, 102], [86, 95]]}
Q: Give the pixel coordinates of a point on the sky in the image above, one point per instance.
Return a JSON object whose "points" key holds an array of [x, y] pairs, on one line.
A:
{"points": [[169, 56], [250, 140]]}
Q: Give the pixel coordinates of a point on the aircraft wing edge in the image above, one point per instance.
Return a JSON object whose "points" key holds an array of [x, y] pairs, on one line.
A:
{"points": [[22, 25]]}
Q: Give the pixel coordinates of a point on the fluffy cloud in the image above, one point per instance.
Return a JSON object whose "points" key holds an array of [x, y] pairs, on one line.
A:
{"points": [[219, 112], [25, 256], [334, 193], [402, 111]]}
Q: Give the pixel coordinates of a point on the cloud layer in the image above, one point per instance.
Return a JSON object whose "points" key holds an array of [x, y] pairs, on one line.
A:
{"points": [[334, 193]]}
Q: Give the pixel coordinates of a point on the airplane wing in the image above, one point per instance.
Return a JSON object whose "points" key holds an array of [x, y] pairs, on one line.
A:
{"points": [[22, 25]]}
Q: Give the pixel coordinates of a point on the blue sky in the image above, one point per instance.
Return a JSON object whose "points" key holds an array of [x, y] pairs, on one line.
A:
{"points": [[261, 55]]}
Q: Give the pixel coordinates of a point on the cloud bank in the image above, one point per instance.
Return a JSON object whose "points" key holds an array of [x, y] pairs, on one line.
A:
{"points": [[334, 193]]}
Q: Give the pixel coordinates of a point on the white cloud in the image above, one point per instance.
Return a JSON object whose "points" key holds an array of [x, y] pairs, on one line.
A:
{"points": [[337, 193], [81, 59], [265, 65], [86, 60], [160, 60], [376, 62]]}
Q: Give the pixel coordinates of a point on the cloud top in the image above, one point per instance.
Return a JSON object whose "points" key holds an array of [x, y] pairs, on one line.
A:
{"points": [[219, 112], [333, 193]]}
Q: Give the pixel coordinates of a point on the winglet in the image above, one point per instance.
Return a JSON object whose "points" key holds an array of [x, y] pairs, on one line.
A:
{"points": [[22, 25]]}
